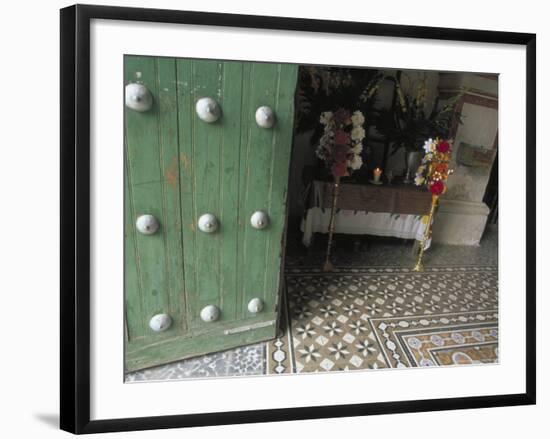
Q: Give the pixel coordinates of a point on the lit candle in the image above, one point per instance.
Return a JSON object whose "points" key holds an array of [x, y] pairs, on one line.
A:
{"points": [[377, 174]]}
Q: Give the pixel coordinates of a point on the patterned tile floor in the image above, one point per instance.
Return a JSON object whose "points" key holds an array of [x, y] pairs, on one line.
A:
{"points": [[371, 312], [380, 317]]}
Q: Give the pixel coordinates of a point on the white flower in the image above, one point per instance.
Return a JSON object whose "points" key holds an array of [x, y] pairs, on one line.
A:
{"points": [[421, 169], [356, 162], [357, 118], [419, 180], [328, 129], [429, 145], [357, 148], [321, 152], [325, 139], [357, 133], [326, 117]]}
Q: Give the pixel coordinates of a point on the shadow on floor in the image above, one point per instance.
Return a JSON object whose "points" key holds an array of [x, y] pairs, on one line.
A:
{"points": [[49, 419]]}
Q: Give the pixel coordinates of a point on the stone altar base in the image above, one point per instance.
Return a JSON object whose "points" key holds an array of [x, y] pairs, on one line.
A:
{"points": [[459, 222]]}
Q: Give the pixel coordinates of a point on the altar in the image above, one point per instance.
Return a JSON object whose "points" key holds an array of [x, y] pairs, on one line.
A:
{"points": [[397, 210]]}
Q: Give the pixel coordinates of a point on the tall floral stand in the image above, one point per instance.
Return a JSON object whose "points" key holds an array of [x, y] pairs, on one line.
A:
{"points": [[433, 172], [427, 233], [335, 190], [340, 148]]}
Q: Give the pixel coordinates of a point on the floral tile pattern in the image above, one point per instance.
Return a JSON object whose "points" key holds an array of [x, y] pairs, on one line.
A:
{"points": [[246, 360]]}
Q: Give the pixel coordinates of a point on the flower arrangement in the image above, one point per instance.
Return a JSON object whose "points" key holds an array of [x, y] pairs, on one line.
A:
{"points": [[434, 168], [341, 144]]}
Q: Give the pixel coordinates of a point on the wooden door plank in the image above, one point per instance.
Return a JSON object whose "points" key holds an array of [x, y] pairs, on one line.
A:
{"points": [[235, 328], [169, 158], [186, 128], [132, 287], [208, 142], [230, 100], [283, 133], [145, 170], [258, 177], [175, 349], [267, 152], [209, 182], [245, 159], [141, 131]]}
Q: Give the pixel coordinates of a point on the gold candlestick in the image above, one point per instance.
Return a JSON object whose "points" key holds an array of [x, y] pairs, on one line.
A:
{"points": [[419, 266], [335, 190]]}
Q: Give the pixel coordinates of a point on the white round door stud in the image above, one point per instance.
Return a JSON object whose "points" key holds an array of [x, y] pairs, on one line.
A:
{"points": [[147, 224], [255, 305], [265, 117], [208, 223], [259, 220], [138, 97], [208, 110], [210, 313], [160, 322]]}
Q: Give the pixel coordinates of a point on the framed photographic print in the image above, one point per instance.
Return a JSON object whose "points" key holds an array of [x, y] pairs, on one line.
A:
{"points": [[268, 218]]}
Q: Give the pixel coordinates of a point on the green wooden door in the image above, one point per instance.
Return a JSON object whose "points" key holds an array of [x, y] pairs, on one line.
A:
{"points": [[178, 168]]}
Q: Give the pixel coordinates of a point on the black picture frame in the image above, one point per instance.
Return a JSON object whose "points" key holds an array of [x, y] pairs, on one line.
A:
{"points": [[75, 217]]}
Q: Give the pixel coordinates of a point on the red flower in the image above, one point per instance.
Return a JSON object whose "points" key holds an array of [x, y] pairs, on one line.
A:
{"points": [[437, 187], [341, 138], [340, 169], [341, 116], [443, 146], [340, 152]]}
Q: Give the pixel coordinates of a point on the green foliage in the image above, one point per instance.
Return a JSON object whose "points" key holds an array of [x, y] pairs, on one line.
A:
{"points": [[323, 89], [408, 124]]}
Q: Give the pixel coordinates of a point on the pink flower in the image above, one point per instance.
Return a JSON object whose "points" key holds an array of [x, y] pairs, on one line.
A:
{"points": [[341, 138], [339, 169], [340, 152]]}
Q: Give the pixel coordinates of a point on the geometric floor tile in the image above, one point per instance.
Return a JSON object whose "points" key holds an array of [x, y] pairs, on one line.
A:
{"points": [[386, 317]]}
